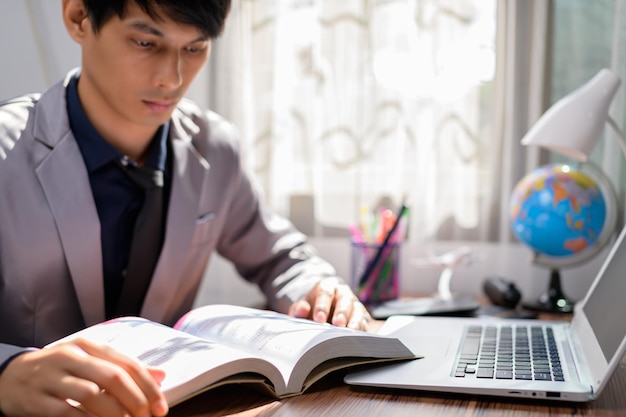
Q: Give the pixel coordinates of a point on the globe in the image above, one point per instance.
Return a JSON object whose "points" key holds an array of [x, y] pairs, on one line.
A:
{"points": [[565, 214], [558, 211]]}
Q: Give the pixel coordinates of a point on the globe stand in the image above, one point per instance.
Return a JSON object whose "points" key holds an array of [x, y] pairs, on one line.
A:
{"points": [[553, 300]]}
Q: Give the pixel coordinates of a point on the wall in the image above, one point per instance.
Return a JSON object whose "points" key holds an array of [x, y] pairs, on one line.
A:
{"points": [[35, 48], [512, 262]]}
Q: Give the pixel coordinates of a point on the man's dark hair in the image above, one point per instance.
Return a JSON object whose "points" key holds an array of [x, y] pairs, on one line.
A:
{"points": [[208, 16]]}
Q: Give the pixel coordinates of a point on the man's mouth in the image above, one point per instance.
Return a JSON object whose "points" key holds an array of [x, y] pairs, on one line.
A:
{"points": [[160, 105]]}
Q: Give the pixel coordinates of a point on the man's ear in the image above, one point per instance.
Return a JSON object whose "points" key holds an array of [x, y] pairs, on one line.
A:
{"points": [[75, 19]]}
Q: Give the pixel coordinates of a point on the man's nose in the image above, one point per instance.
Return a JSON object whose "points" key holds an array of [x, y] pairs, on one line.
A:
{"points": [[170, 75]]}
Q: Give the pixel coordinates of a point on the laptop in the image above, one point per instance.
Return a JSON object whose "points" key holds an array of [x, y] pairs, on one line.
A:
{"points": [[551, 360]]}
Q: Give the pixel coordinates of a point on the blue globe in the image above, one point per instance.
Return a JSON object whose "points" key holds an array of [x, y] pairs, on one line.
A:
{"points": [[559, 211]]}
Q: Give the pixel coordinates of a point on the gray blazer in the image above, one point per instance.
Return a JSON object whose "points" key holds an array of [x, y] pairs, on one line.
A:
{"points": [[50, 253]]}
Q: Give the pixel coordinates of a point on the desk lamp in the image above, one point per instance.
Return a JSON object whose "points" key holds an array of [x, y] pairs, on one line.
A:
{"points": [[572, 127]]}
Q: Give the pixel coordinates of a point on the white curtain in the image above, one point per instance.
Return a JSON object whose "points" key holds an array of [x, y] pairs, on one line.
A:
{"points": [[344, 104]]}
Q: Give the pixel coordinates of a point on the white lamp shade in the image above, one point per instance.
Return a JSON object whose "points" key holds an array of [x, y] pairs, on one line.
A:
{"points": [[573, 125]]}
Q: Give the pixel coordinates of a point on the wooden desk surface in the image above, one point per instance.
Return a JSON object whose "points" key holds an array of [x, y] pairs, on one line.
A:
{"points": [[331, 397]]}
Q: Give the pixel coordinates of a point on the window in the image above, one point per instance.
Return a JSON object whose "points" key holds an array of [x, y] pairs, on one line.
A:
{"points": [[588, 36], [350, 104]]}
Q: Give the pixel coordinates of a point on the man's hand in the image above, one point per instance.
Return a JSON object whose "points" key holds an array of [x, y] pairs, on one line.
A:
{"points": [[53, 381], [331, 300]]}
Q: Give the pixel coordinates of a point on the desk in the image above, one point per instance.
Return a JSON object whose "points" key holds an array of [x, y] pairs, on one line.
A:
{"points": [[331, 397]]}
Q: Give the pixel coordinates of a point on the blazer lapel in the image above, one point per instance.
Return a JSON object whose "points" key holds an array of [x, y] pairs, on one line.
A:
{"points": [[65, 182], [189, 179]]}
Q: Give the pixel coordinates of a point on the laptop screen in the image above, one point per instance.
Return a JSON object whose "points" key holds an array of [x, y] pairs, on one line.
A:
{"points": [[605, 306]]}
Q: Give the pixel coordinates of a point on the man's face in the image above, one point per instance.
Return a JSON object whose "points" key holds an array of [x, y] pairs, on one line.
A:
{"points": [[135, 70]]}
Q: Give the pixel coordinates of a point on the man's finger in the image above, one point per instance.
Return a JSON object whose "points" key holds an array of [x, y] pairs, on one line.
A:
{"points": [[324, 298], [300, 309], [344, 306], [87, 396], [360, 318], [133, 386]]}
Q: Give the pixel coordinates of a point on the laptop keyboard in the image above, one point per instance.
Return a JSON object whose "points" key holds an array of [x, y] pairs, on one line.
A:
{"points": [[509, 352]]}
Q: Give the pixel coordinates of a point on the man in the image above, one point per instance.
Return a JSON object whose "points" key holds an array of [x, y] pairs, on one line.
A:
{"points": [[70, 204]]}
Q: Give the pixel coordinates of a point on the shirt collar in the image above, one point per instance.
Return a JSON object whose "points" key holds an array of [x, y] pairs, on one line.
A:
{"points": [[96, 151]]}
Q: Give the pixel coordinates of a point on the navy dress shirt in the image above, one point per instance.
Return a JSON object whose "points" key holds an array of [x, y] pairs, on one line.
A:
{"points": [[118, 200]]}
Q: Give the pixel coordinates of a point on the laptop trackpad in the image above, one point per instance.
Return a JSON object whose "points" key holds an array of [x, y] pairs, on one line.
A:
{"points": [[423, 337]]}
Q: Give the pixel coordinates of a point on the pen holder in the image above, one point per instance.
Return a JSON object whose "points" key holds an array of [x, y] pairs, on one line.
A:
{"points": [[379, 282]]}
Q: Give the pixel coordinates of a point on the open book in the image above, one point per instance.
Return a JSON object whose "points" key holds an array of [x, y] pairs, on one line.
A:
{"points": [[221, 344]]}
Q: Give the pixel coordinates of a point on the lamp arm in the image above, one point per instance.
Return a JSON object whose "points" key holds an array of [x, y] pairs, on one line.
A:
{"points": [[620, 135]]}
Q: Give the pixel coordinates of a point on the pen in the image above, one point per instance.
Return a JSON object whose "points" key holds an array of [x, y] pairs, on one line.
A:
{"points": [[372, 264]]}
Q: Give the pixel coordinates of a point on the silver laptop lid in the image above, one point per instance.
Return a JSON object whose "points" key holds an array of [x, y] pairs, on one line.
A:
{"points": [[600, 318]]}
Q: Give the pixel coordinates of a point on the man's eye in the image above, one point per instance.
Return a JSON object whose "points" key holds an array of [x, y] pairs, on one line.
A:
{"points": [[195, 49], [144, 44]]}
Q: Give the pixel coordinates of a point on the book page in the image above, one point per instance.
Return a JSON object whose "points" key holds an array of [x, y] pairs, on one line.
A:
{"points": [[186, 359], [279, 338], [264, 333]]}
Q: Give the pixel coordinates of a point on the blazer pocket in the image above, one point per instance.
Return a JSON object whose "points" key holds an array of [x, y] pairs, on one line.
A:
{"points": [[204, 225]]}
